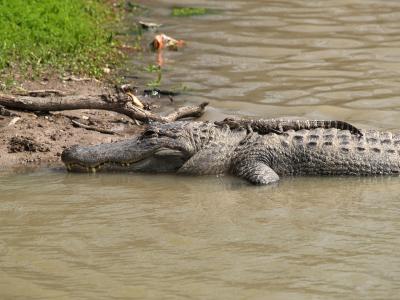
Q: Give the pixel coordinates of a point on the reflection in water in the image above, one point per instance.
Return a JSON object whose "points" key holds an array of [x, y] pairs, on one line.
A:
{"points": [[124, 236]]}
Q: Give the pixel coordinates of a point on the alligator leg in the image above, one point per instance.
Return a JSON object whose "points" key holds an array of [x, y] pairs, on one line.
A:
{"points": [[212, 159], [255, 172], [215, 162]]}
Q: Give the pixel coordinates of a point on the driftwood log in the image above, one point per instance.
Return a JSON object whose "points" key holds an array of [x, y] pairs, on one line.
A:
{"points": [[117, 102]]}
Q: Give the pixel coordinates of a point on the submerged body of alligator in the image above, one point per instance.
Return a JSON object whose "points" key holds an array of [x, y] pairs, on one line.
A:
{"points": [[258, 151]]}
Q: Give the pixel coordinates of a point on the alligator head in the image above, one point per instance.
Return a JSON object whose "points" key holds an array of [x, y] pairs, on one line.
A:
{"points": [[160, 148]]}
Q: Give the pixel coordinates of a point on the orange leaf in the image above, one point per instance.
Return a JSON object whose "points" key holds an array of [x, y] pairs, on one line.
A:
{"points": [[164, 41]]}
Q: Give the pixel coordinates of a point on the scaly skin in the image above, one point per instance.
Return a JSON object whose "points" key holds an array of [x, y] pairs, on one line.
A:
{"points": [[261, 159], [200, 148], [279, 126]]}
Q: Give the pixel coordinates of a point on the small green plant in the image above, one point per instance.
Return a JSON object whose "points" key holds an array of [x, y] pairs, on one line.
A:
{"points": [[152, 68], [156, 82], [189, 11], [7, 83]]}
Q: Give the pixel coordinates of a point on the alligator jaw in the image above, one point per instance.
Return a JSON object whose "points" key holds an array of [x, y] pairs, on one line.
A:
{"points": [[76, 167], [160, 160]]}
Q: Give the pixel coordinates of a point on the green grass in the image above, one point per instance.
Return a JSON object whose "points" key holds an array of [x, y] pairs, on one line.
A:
{"points": [[189, 11], [56, 36], [152, 68]]}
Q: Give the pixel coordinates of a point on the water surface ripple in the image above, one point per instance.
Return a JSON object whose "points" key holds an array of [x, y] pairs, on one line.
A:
{"points": [[131, 236], [313, 59]]}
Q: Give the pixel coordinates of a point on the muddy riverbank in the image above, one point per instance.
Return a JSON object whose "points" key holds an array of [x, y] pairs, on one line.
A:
{"points": [[29, 139], [37, 137]]}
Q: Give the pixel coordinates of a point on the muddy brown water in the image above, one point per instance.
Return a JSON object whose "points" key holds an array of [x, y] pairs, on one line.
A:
{"points": [[132, 236]]}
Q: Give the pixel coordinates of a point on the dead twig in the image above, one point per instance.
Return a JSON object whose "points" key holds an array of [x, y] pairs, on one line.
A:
{"points": [[5, 112], [186, 112], [149, 25], [78, 79], [135, 100], [94, 128], [41, 93], [13, 121]]}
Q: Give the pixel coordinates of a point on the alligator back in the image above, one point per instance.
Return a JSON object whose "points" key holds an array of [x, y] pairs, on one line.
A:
{"points": [[325, 152]]}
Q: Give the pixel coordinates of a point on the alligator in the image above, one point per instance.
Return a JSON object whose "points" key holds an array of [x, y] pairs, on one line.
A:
{"points": [[258, 151]]}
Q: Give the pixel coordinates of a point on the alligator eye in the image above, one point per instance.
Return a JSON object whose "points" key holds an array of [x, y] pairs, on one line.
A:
{"points": [[149, 133]]}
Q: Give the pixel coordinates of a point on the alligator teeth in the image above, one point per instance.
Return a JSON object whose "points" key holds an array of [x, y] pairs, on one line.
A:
{"points": [[91, 169]]}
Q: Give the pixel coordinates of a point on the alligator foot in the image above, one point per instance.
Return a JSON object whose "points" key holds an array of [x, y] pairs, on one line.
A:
{"points": [[255, 172]]}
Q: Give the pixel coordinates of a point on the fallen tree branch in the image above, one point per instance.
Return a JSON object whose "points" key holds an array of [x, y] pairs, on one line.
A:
{"points": [[186, 111], [117, 102]]}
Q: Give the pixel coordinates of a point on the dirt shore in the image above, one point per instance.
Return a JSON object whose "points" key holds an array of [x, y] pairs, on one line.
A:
{"points": [[31, 139]]}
